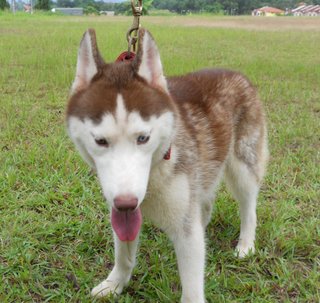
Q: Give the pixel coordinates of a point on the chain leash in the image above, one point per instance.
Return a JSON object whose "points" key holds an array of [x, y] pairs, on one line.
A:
{"points": [[132, 34]]}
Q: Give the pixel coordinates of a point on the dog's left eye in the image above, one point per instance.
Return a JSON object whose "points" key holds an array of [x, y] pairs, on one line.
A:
{"points": [[143, 139], [102, 142]]}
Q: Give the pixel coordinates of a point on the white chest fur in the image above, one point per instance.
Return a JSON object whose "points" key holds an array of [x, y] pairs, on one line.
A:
{"points": [[167, 200]]}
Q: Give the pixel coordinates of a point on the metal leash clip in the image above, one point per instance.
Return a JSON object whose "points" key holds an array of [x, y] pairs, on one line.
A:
{"points": [[132, 34]]}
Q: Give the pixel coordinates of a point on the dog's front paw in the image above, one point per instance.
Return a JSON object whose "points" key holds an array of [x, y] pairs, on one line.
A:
{"points": [[107, 287], [244, 249]]}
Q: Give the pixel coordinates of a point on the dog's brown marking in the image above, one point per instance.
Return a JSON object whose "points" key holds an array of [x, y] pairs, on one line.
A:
{"points": [[113, 79]]}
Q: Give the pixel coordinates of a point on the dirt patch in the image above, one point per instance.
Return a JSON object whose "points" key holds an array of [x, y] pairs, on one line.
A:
{"points": [[240, 22]]}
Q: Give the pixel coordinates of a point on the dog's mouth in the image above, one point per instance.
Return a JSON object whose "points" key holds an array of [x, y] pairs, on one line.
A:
{"points": [[126, 223]]}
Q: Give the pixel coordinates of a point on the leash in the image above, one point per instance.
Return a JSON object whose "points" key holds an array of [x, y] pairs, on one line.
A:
{"points": [[132, 33]]}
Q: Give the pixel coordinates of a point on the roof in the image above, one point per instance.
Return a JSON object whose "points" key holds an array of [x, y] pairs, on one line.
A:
{"points": [[307, 9], [269, 9]]}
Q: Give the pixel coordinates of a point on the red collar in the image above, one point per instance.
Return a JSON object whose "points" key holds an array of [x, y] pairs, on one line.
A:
{"points": [[125, 57], [168, 154]]}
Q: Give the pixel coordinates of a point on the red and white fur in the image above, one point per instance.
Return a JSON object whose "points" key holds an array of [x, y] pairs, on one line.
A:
{"points": [[126, 118]]}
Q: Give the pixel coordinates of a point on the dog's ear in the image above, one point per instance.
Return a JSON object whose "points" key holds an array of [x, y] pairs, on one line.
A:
{"points": [[148, 62], [89, 61]]}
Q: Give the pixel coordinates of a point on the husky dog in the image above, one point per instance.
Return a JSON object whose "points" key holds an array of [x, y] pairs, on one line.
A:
{"points": [[160, 147]]}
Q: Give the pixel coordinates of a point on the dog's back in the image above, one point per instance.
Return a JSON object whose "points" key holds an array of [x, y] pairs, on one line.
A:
{"points": [[221, 113]]}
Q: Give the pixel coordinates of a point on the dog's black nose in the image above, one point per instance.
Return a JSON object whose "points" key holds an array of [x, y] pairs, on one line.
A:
{"points": [[125, 202]]}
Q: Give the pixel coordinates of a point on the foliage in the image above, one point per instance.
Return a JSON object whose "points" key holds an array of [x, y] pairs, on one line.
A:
{"points": [[69, 3], [4, 5], [91, 10], [43, 5], [147, 5], [122, 8]]}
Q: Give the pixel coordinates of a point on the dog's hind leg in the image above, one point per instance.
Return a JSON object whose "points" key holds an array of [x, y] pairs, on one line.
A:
{"points": [[125, 256], [244, 188], [243, 174]]}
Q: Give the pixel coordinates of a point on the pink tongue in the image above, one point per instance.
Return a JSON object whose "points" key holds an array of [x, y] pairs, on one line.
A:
{"points": [[126, 224]]}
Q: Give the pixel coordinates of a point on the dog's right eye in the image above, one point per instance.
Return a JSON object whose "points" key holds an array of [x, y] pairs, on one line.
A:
{"points": [[142, 139], [102, 142]]}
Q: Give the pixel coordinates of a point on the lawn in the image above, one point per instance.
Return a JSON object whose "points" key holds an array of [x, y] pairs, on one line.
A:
{"points": [[55, 235]]}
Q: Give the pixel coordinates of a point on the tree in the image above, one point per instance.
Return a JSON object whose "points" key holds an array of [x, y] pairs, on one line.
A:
{"points": [[146, 5], [247, 6], [215, 8], [231, 7], [43, 5], [66, 3], [90, 10], [4, 4]]}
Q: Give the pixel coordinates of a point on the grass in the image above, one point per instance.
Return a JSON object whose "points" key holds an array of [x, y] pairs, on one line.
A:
{"points": [[55, 236]]}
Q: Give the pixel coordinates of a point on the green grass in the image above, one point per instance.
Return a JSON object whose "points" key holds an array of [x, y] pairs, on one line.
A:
{"points": [[55, 236]]}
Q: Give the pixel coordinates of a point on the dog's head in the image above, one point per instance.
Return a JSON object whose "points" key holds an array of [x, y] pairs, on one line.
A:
{"points": [[121, 119]]}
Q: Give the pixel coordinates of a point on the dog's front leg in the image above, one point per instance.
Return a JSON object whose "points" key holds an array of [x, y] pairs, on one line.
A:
{"points": [[125, 256], [190, 249]]}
